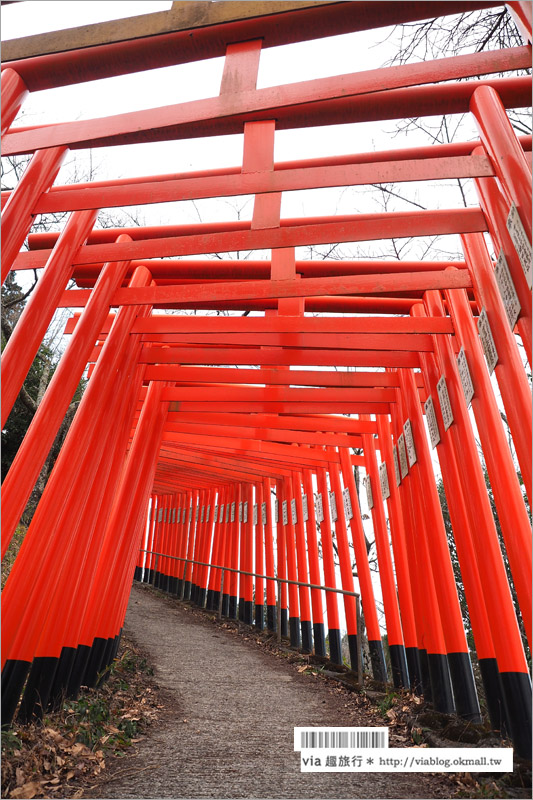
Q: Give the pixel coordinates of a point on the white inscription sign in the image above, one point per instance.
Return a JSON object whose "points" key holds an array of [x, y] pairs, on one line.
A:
{"points": [[285, 512], [333, 506], [368, 487], [276, 511], [444, 400], [397, 475], [384, 481], [294, 516], [464, 374], [305, 507], [240, 511], [520, 241], [207, 514], [319, 508], [215, 514], [245, 512], [404, 469], [264, 513], [431, 417], [232, 512], [179, 514], [485, 334], [409, 442], [202, 515], [255, 513], [507, 290], [227, 512], [347, 503]]}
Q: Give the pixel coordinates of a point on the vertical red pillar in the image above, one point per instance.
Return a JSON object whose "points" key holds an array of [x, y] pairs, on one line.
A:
{"points": [[388, 589], [309, 516], [345, 562], [390, 494], [259, 611], [234, 527], [266, 514], [281, 553], [303, 591], [292, 573], [334, 633], [375, 645]]}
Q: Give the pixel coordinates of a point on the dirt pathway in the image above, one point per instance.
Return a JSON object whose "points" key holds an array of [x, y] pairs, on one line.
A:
{"points": [[229, 732]]}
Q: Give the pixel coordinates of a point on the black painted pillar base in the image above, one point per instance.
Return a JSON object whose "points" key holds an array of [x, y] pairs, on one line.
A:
{"points": [[106, 661], [157, 579], [335, 647], [93, 664], [116, 645], [294, 628], [284, 622], [232, 612], [377, 659], [248, 612], [517, 696], [14, 675], [187, 590], [398, 661], [441, 685], [209, 602], [202, 595], [137, 574], [492, 684], [307, 636], [194, 592], [148, 576], [352, 646], [464, 687], [415, 673], [319, 635], [259, 617], [179, 590], [272, 621], [37, 691], [176, 587], [424, 671], [58, 692], [241, 609], [83, 652], [225, 605]]}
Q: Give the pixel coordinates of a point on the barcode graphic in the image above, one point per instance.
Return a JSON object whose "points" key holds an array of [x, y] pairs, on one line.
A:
{"points": [[343, 739]]}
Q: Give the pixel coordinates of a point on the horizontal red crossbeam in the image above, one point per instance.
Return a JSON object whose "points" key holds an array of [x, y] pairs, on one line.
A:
{"points": [[271, 377], [181, 323], [418, 342], [327, 423], [473, 166], [314, 358], [227, 112], [161, 296], [354, 228]]}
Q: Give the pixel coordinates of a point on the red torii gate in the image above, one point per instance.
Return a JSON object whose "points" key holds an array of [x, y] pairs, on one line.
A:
{"points": [[170, 423]]}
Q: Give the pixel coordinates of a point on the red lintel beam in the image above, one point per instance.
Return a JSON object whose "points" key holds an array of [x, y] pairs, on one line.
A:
{"points": [[325, 230], [417, 342], [267, 434], [226, 113], [330, 424], [143, 193], [49, 60], [165, 323], [261, 356], [250, 290], [271, 377], [286, 407]]}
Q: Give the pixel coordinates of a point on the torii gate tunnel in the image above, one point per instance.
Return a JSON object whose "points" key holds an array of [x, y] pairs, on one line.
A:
{"points": [[190, 424]]}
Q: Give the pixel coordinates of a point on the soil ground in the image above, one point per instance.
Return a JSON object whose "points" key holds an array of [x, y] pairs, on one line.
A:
{"points": [[231, 709]]}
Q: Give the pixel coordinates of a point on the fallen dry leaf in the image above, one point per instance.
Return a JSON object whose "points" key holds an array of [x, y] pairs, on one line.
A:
{"points": [[28, 790]]}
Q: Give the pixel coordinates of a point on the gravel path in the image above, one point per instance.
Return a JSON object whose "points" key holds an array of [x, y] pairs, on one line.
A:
{"points": [[233, 708]]}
